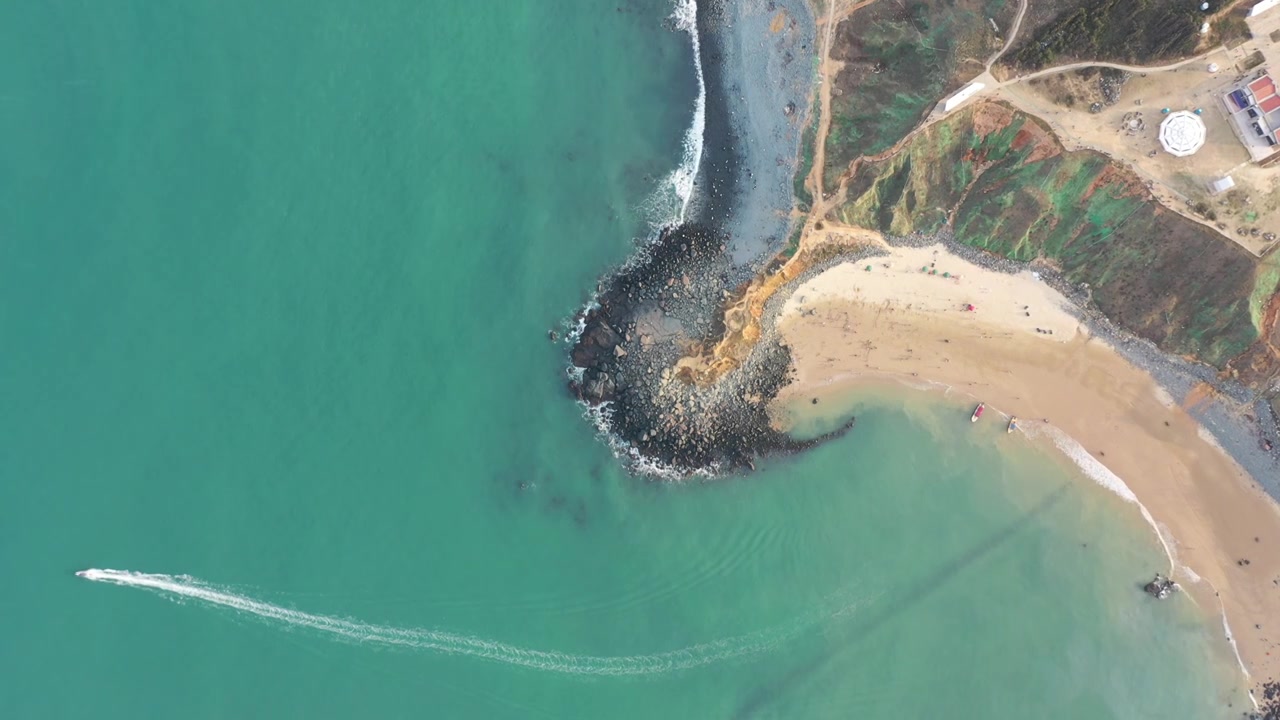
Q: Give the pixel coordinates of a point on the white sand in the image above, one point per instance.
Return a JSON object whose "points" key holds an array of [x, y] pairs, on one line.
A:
{"points": [[1017, 303]]}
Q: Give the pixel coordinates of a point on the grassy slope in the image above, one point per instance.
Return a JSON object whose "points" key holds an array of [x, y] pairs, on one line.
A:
{"points": [[1013, 192], [1132, 31], [808, 138], [919, 48]]}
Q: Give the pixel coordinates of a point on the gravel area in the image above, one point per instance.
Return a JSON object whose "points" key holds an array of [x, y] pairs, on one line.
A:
{"points": [[759, 60]]}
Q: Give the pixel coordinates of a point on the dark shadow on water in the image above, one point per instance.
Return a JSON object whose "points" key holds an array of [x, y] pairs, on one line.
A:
{"points": [[909, 598]]}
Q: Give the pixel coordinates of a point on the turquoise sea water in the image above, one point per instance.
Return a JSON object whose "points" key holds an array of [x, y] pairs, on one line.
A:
{"points": [[274, 296]]}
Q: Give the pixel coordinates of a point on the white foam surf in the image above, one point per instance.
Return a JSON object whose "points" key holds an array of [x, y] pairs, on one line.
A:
{"points": [[1231, 640], [1101, 474], [667, 207], [635, 461], [682, 179], [670, 202], [186, 587]]}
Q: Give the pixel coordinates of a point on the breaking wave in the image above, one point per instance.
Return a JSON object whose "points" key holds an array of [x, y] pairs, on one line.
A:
{"points": [[1102, 475], [670, 202]]}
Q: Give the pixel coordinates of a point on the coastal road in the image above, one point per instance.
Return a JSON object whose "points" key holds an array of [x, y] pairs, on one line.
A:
{"points": [[829, 68], [1095, 63], [835, 18]]}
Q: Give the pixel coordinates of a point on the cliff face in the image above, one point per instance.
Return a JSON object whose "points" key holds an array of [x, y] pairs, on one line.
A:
{"points": [[896, 60], [1007, 186]]}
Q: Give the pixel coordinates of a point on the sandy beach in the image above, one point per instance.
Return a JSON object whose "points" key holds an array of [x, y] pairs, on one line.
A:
{"points": [[1023, 351]]}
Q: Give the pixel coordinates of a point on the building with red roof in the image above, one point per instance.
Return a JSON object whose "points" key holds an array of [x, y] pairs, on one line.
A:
{"points": [[1254, 111], [1262, 88]]}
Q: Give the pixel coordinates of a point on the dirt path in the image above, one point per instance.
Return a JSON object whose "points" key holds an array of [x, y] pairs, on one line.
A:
{"points": [[1013, 33], [827, 69], [835, 18], [822, 205], [1096, 63]]}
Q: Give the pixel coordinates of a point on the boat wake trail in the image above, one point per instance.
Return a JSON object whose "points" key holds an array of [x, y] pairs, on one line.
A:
{"points": [[189, 588]]}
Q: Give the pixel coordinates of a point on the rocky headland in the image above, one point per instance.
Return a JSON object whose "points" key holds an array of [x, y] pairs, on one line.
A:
{"points": [[632, 355], [669, 303]]}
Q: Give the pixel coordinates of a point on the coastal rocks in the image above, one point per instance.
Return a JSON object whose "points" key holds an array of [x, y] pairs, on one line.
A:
{"points": [[1268, 695], [596, 387], [649, 321], [640, 361], [596, 342], [1161, 587]]}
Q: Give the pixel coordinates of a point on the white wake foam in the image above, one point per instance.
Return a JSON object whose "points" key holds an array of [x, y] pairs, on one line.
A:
{"points": [[187, 587]]}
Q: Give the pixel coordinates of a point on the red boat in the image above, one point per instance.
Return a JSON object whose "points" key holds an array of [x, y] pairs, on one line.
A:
{"points": [[977, 412]]}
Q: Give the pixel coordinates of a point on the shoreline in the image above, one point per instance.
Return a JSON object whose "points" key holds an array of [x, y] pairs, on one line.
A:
{"points": [[849, 327], [640, 348], [667, 301]]}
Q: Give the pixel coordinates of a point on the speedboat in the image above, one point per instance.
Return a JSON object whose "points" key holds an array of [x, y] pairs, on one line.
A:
{"points": [[977, 412]]}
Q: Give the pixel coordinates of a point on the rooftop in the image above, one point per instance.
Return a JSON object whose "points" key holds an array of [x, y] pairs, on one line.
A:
{"points": [[1182, 133], [1263, 87]]}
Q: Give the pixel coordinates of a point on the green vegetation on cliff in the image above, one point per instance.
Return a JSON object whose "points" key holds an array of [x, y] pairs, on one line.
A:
{"points": [[808, 145], [1007, 187], [898, 60], [1140, 32]]}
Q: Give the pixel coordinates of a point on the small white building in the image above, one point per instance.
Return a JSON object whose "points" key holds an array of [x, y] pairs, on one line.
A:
{"points": [[960, 96], [1221, 185]]}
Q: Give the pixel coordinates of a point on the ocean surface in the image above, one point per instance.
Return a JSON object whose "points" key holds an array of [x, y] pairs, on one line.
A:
{"points": [[275, 286]]}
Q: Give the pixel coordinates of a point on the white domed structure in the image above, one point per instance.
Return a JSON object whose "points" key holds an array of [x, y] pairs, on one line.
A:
{"points": [[1182, 133]]}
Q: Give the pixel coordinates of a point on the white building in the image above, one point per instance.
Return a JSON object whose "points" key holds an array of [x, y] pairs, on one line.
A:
{"points": [[1262, 7], [1182, 133], [1221, 185]]}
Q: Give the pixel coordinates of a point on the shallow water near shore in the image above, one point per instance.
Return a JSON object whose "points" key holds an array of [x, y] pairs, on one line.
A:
{"points": [[275, 302]]}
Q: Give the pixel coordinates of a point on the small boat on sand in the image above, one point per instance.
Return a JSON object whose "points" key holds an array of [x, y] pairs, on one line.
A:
{"points": [[977, 412], [1013, 425]]}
